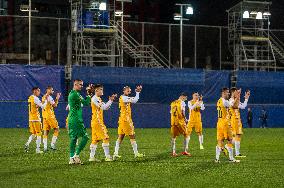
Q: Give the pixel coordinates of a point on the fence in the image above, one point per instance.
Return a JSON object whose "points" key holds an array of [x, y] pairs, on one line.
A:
{"points": [[203, 46], [48, 40]]}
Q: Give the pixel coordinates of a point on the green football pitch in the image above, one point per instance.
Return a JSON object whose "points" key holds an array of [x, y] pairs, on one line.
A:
{"points": [[263, 166]]}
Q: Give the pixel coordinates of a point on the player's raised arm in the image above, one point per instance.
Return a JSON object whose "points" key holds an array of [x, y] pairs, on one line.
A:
{"points": [[192, 106], [245, 103], [87, 100], [202, 107], [55, 103], [39, 103], [102, 105], [135, 99], [234, 101], [226, 103]]}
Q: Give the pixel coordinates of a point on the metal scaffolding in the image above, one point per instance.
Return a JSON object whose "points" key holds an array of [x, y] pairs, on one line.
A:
{"points": [[250, 40], [104, 45], [91, 44]]}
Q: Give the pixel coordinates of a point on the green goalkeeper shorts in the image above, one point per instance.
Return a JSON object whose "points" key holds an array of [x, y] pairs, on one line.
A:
{"points": [[77, 130]]}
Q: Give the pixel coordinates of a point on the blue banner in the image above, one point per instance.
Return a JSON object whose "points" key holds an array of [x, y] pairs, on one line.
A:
{"points": [[16, 81], [266, 87]]}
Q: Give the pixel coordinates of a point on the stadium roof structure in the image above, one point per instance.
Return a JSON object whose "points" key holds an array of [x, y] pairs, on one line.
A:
{"points": [[250, 5]]}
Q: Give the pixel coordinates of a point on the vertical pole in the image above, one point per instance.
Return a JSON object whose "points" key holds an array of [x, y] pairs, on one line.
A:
{"points": [[143, 33], [30, 20], [195, 47], [121, 60], [181, 17], [170, 33], [58, 42], [81, 33], [220, 47]]}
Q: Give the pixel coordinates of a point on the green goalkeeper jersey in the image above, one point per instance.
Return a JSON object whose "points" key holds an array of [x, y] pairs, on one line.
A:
{"points": [[75, 101]]}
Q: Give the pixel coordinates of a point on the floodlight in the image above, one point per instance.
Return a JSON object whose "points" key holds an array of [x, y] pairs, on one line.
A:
{"points": [[259, 16], [102, 6], [118, 13], [266, 14], [246, 14], [177, 16], [253, 12], [189, 10]]}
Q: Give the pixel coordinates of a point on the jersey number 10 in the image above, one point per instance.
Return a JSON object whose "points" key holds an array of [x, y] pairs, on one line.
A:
{"points": [[219, 112]]}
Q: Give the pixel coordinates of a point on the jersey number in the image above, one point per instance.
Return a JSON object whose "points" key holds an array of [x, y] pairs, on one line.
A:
{"points": [[219, 112], [175, 111], [30, 106]]}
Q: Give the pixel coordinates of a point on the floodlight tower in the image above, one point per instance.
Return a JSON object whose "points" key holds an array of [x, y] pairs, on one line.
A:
{"points": [[249, 37], [91, 32], [180, 17], [28, 8]]}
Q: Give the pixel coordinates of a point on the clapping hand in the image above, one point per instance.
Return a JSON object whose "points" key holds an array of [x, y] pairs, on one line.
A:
{"points": [[112, 97], [138, 88]]}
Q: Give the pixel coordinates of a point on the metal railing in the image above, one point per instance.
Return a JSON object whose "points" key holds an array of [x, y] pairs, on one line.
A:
{"points": [[147, 55], [203, 45]]}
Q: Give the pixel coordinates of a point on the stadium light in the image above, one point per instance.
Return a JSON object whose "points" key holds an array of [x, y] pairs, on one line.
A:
{"points": [[25, 8], [28, 8], [253, 12], [2, 10], [118, 13], [189, 11], [266, 14], [246, 14], [259, 16], [102, 6], [177, 16]]}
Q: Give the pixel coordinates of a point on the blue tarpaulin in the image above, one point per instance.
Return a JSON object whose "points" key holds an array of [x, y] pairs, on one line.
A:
{"points": [[266, 87], [159, 85], [16, 81]]}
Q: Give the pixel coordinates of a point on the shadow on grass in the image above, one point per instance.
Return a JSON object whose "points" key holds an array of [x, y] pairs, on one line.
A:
{"points": [[62, 166]]}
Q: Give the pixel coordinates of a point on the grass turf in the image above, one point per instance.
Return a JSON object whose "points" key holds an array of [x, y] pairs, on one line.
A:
{"points": [[263, 166]]}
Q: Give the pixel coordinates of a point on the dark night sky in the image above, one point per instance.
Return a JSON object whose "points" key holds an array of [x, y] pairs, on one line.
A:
{"points": [[206, 12], [213, 12]]}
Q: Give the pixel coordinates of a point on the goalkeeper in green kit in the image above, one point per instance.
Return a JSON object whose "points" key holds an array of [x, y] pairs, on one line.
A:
{"points": [[75, 120]]}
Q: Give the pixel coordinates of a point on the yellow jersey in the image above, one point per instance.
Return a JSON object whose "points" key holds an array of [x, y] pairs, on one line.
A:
{"points": [[195, 113], [34, 114], [177, 114], [234, 112], [125, 110], [97, 112], [223, 114], [48, 111]]}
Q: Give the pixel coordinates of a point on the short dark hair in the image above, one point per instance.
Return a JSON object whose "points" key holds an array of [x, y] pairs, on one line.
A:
{"points": [[183, 94], [233, 89], [96, 86], [35, 88], [224, 89], [194, 92]]}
